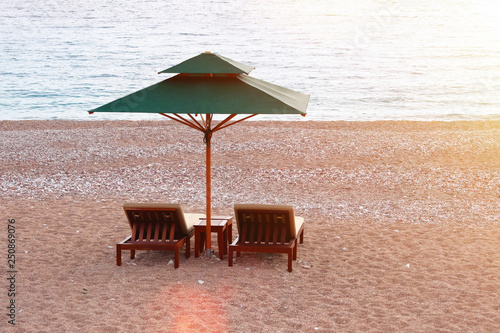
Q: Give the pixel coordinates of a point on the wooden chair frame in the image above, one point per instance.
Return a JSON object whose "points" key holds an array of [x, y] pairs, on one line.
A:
{"points": [[154, 228], [268, 231]]}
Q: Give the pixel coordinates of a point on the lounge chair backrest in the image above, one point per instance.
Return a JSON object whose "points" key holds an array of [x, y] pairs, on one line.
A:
{"points": [[156, 221], [265, 223]]}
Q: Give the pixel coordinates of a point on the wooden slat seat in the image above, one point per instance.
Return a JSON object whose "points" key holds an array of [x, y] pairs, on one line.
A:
{"points": [[267, 228], [157, 226]]}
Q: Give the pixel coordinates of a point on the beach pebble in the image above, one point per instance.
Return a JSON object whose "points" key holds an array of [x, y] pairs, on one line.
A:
{"points": [[56, 171], [201, 281], [171, 262]]}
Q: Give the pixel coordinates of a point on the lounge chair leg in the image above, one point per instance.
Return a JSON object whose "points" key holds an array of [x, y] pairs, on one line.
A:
{"points": [[290, 254], [302, 237], [188, 248], [295, 250], [118, 255], [176, 259], [132, 254], [230, 258]]}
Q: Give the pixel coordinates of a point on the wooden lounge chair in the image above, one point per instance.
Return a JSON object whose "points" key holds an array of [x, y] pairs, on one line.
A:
{"points": [[267, 228], [157, 226]]}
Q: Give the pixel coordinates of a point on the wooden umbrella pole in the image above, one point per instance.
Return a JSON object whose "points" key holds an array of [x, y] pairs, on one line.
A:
{"points": [[209, 200], [208, 138]]}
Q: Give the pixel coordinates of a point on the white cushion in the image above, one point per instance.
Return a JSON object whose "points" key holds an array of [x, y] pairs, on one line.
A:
{"points": [[192, 219], [295, 221], [186, 221]]}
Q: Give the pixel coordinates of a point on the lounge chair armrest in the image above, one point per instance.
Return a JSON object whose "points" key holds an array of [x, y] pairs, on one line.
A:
{"points": [[236, 240], [126, 240]]}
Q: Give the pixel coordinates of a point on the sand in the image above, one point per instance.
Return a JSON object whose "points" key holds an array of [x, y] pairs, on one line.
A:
{"points": [[402, 226]]}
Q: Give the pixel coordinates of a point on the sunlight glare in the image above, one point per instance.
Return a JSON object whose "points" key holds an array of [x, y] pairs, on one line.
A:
{"points": [[490, 10]]}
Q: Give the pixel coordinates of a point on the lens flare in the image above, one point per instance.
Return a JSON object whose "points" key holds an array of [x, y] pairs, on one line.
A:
{"points": [[188, 309]]}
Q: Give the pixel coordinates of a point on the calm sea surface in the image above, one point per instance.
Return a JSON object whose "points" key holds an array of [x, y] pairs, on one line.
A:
{"points": [[359, 60]]}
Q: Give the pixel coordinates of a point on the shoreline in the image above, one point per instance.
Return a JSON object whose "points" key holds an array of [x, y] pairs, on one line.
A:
{"points": [[6, 125], [311, 116]]}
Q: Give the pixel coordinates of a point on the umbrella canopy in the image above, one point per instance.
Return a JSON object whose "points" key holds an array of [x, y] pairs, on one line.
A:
{"points": [[217, 94], [209, 62], [210, 84]]}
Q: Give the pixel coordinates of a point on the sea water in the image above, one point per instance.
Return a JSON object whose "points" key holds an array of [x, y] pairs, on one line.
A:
{"points": [[359, 60]]}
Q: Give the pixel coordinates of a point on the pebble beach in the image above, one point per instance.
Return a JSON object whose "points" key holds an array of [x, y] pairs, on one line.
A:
{"points": [[401, 226]]}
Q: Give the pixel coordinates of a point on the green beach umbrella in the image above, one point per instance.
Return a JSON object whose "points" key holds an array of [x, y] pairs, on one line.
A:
{"points": [[210, 84]]}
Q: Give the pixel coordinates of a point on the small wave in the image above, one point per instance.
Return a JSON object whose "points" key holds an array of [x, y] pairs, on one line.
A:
{"points": [[192, 34]]}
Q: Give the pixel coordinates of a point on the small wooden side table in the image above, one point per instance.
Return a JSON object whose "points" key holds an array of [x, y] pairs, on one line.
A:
{"points": [[222, 225]]}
